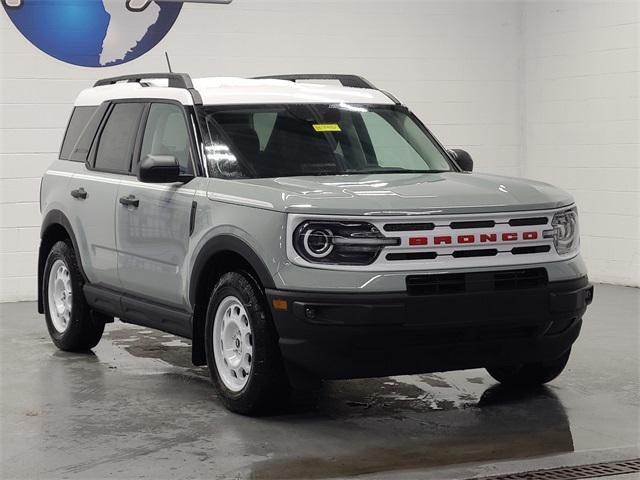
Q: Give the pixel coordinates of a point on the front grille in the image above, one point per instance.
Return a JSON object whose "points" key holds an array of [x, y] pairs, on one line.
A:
{"points": [[449, 283], [466, 239], [434, 241]]}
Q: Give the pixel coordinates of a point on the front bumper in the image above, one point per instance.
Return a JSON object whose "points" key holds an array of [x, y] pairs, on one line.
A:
{"points": [[477, 323]]}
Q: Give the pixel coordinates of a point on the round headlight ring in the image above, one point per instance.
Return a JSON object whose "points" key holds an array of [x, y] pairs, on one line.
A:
{"points": [[317, 242]]}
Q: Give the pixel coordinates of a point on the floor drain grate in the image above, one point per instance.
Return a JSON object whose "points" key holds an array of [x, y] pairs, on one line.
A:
{"points": [[575, 473]]}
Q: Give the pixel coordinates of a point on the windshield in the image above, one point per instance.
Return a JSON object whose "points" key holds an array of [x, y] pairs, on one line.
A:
{"points": [[292, 140]]}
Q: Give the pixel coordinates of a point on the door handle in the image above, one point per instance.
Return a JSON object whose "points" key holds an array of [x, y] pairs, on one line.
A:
{"points": [[79, 193], [130, 201]]}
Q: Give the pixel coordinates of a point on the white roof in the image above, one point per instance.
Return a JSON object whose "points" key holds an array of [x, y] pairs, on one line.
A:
{"points": [[235, 91]]}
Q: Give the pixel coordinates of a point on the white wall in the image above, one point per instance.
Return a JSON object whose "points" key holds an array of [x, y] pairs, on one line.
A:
{"points": [[460, 65], [582, 122]]}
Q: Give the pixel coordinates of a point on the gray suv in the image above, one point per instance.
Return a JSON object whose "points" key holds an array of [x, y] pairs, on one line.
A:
{"points": [[297, 231]]}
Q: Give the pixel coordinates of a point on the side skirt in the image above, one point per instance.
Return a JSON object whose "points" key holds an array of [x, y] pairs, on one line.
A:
{"points": [[138, 311]]}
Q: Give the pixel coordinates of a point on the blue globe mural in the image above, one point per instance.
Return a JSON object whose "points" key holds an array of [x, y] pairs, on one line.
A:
{"points": [[93, 33]]}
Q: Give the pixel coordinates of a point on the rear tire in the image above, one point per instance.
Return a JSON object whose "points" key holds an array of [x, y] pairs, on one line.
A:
{"points": [[69, 320], [242, 347], [530, 374]]}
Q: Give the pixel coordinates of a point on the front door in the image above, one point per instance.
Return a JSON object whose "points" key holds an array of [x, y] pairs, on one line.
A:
{"points": [[94, 188], [153, 220]]}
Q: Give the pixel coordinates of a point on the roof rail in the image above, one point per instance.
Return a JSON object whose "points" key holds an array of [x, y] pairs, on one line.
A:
{"points": [[346, 80], [176, 80]]}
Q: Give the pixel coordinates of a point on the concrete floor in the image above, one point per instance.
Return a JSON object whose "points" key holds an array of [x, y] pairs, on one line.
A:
{"points": [[136, 408]]}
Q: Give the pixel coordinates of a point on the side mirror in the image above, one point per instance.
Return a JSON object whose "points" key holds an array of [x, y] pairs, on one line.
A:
{"points": [[462, 158], [159, 169]]}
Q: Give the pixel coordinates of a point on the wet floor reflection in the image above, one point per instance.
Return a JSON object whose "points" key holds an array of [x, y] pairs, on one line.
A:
{"points": [[379, 425], [500, 425]]}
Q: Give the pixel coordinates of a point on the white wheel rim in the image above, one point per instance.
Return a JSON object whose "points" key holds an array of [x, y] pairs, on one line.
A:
{"points": [[60, 295], [232, 343]]}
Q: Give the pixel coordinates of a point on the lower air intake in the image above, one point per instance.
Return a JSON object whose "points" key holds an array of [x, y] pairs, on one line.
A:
{"points": [[449, 283]]}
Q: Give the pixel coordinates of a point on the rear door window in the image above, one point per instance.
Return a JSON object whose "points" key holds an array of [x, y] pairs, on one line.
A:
{"points": [[80, 119], [115, 148]]}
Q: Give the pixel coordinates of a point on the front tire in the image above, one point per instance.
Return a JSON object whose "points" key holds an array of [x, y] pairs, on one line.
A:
{"points": [[242, 347], [69, 321], [530, 374]]}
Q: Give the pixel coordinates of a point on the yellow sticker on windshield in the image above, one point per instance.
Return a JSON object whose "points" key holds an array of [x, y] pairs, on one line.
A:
{"points": [[327, 127]]}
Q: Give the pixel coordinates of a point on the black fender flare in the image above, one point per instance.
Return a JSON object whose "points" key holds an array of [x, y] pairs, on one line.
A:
{"points": [[213, 246], [232, 243], [54, 217]]}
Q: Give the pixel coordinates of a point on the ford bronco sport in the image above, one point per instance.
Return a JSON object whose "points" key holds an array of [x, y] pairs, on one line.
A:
{"points": [[296, 231]]}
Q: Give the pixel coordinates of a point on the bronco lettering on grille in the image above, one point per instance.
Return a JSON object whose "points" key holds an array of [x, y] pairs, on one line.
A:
{"points": [[472, 238]]}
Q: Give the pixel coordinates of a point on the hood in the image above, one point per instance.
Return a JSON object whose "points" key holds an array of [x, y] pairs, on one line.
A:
{"points": [[383, 194]]}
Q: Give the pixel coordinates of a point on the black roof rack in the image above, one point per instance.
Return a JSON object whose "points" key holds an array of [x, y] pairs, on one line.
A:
{"points": [[346, 80], [176, 80]]}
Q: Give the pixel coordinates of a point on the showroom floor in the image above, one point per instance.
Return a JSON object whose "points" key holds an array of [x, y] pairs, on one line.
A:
{"points": [[137, 408]]}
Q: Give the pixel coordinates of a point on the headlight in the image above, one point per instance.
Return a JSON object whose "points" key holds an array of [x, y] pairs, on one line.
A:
{"points": [[565, 233], [345, 243]]}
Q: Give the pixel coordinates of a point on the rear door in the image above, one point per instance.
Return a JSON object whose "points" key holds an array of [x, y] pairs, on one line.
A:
{"points": [[153, 220], [94, 190]]}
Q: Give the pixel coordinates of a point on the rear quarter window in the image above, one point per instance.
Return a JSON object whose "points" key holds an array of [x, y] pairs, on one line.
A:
{"points": [[82, 121]]}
